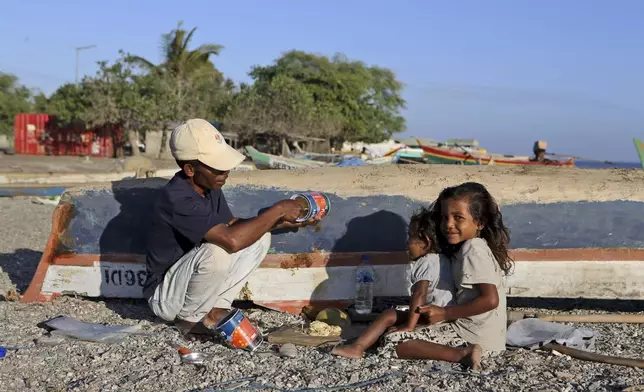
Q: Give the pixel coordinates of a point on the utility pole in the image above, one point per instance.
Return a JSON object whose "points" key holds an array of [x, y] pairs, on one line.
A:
{"points": [[78, 49]]}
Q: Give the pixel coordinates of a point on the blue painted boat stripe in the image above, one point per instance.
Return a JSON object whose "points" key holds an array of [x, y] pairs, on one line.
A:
{"points": [[115, 221]]}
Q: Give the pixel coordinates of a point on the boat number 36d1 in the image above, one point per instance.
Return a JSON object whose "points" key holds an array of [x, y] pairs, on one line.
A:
{"points": [[124, 277]]}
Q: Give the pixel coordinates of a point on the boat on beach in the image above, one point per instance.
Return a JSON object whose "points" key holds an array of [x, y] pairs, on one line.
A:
{"points": [[468, 156], [407, 155], [98, 238], [268, 161], [312, 156], [265, 161]]}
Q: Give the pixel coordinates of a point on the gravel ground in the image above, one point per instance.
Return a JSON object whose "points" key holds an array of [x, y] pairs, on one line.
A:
{"points": [[149, 363]]}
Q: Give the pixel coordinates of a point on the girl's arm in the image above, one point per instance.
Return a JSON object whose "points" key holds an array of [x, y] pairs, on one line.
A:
{"points": [[418, 298], [488, 300]]}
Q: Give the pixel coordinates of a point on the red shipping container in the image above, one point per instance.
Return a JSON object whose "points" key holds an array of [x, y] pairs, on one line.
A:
{"points": [[29, 130], [38, 134], [86, 142]]}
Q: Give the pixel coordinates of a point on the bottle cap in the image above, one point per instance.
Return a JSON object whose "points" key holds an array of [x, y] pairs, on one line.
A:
{"points": [[364, 258]]}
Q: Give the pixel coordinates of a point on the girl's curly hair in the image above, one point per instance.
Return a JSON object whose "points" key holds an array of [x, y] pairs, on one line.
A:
{"points": [[486, 212], [422, 226]]}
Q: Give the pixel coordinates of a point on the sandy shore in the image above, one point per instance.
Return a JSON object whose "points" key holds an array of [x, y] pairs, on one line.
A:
{"points": [[424, 182], [421, 182]]}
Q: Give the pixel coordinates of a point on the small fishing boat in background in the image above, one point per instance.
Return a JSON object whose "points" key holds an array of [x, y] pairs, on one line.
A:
{"points": [[384, 160], [470, 156], [407, 155], [313, 156], [268, 161], [265, 161]]}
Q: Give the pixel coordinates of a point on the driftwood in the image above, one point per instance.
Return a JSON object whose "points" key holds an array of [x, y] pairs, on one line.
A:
{"points": [[580, 318], [594, 357]]}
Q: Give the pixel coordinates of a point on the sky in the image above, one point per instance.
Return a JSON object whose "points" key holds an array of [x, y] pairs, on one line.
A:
{"points": [[504, 72]]}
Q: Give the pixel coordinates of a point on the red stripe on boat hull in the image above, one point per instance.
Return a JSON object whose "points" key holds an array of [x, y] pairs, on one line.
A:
{"points": [[447, 154], [323, 259]]}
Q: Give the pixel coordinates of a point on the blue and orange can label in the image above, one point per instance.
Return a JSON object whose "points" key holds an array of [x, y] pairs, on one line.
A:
{"points": [[238, 331], [316, 205]]}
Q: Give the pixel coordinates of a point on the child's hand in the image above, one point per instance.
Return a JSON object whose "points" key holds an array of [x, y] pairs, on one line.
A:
{"points": [[434, 313], [399, 329]]}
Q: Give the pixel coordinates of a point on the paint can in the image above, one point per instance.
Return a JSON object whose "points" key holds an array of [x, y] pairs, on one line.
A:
{"points": [[316, 205], [238, 331]]}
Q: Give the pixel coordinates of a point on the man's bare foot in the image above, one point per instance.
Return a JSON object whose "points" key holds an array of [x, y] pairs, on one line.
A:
{"points": [[213, 317], [194, 331], [348, 352], [473, 358]]}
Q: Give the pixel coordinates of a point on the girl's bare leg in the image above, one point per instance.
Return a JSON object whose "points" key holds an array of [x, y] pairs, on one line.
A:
{"points": [[387, 319], [469, 356]]}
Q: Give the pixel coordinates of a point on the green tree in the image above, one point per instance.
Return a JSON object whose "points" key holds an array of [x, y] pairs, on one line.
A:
{"points": [[41, 103], [69, 103], [178, 58], [14, 98], [187, 84], [281, 107], [170, 99], [119, 97], [173, 100], [365, 100]]}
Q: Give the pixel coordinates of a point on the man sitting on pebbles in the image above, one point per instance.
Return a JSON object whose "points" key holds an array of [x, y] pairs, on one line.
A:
{"points": [[199, 255]]}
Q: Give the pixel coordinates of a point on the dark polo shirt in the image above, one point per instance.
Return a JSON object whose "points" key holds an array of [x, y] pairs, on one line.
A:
{"points": [[180, 220]]}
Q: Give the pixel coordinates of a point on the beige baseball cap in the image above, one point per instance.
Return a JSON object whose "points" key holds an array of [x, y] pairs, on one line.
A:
{"points": [[199, 139]]}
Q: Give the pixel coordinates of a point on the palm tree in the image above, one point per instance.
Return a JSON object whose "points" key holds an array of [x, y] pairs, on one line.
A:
{"points": [[180, 65], [178, 59]]}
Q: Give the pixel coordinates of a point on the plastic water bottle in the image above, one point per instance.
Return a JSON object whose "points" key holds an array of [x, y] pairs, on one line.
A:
{"points": [[365, 277]]}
